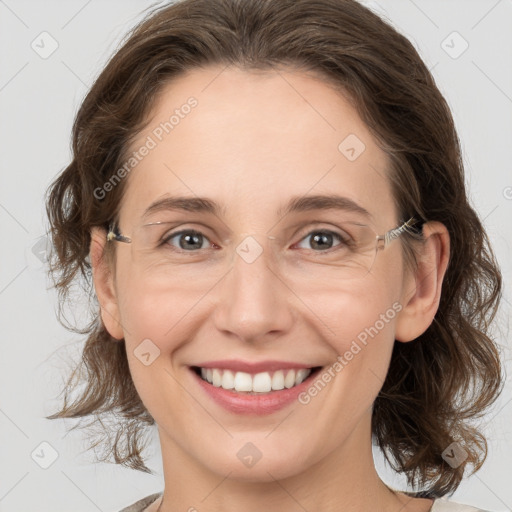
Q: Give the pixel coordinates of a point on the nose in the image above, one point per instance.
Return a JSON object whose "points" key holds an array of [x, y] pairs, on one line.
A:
{"points": [[254, 303]]}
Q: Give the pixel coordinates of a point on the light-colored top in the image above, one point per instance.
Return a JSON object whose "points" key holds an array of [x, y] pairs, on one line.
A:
{"points": [[440, 505], [140, 505], [443, 505]]}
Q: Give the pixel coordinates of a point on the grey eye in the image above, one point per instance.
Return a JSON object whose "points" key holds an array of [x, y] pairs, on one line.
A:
{"points": [[188, 240], [320, 240]]}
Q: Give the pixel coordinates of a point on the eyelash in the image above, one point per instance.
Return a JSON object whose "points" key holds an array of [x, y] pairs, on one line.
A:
{"points": [[170, 236]]}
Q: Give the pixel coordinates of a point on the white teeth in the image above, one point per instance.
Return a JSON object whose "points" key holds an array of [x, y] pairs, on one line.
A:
{"points": [[228, 380], [289, 380], [243, 381], [263, 382], [301, 375], [216, 378], [278, 380]]}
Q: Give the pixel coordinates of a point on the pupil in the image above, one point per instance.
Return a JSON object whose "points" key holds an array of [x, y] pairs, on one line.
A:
{"points": [[319, 239], [194, 239]]}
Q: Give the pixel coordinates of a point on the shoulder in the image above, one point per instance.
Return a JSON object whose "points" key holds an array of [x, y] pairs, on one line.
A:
{"points": [[140, 505], [440, 505], [443, 505]]}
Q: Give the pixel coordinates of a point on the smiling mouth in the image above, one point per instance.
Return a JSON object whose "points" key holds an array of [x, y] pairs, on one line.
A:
{"points": [[255, 384]]}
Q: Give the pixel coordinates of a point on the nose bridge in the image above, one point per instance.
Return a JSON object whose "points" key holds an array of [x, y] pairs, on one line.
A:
{"points": [[255, 261], [253, 300], [253, 270]]}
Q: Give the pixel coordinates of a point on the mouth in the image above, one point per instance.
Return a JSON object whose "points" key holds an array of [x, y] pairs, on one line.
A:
{"points": [[261, 383]]}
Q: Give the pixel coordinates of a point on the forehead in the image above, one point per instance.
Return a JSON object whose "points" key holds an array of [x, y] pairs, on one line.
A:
{"points": [[251, 140]]}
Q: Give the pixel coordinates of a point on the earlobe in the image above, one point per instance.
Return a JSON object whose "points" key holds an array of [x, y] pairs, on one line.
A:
{"points": [[104, 284], [422, 293]]}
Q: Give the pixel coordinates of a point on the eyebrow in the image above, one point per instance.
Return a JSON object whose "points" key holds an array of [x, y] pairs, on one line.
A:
{"points": [[295, 204]]}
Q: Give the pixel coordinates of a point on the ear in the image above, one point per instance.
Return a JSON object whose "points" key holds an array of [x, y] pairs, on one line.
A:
{"points": [[422, 291], [103, 278]]}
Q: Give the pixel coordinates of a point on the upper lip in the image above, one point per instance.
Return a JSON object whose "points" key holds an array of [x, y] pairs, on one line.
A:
{"points": [[236, 365]]}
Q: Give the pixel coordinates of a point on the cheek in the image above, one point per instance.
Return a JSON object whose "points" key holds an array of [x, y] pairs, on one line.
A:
{"points": [[365, 348], [157, 321], [157, 318], [359, 325], [345, 391], [153, 305], [357, 313]]}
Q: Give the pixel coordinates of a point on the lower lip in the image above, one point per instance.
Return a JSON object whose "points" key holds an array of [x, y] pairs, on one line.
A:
{"points": [[264, 403]]}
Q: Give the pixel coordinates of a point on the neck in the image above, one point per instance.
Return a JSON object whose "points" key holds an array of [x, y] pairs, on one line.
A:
{"points": [[344, 479]]}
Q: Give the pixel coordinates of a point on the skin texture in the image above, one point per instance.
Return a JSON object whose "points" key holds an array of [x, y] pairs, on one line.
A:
{"points": [[254, 140]]}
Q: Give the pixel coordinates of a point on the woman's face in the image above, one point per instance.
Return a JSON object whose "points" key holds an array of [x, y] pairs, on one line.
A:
{"points": [[251, 142]]}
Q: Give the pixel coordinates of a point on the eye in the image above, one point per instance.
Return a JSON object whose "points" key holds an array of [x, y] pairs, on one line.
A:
{"points": [[191, 240], [322, 240], [188, 240]]}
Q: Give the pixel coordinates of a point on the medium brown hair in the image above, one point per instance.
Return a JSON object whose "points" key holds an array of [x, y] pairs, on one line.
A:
{"points": [[437, 384]]}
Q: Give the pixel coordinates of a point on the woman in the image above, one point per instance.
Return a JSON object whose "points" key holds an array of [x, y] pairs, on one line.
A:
{"points": [[271, 198]]}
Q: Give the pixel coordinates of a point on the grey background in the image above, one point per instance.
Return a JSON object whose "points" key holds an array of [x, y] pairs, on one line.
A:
{"points": [[38, 100]]}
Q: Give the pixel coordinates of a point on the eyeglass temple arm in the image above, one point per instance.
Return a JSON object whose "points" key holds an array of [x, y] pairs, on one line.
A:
{"points": [[394, 233], [115, 235]]}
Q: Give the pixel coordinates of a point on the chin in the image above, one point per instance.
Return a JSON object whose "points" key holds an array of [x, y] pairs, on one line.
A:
{"points": [[248, 463]]}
